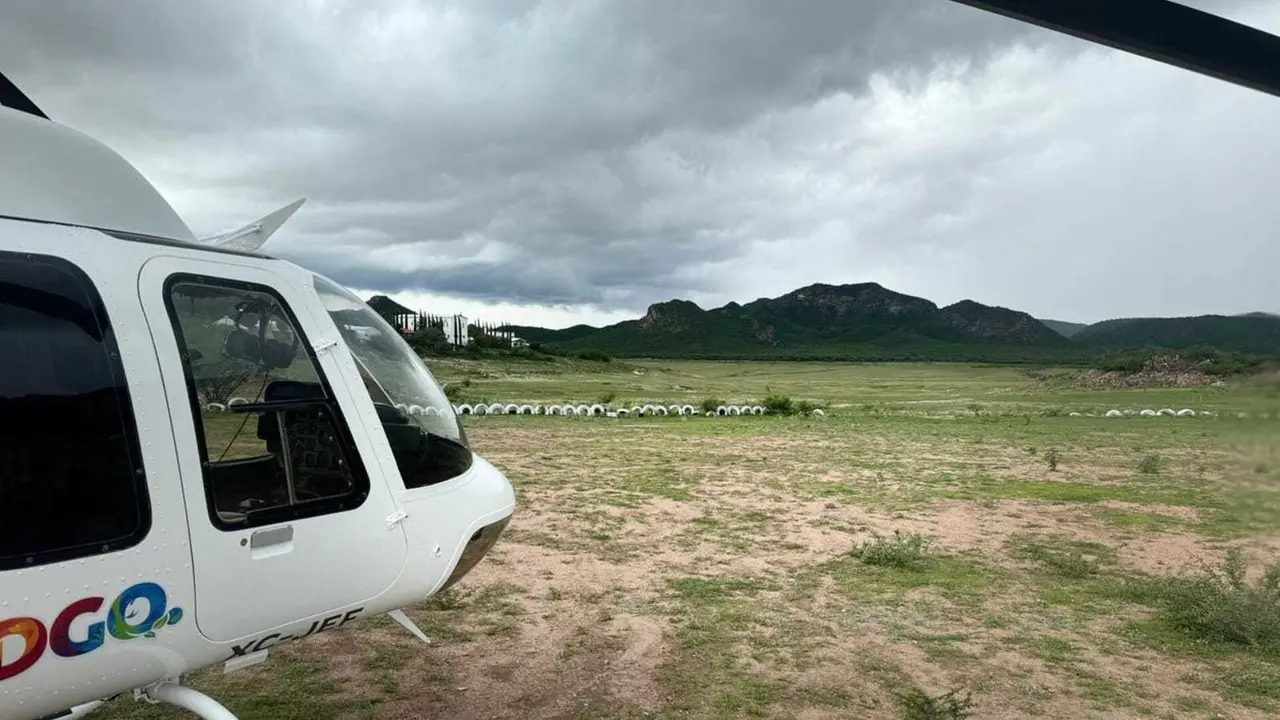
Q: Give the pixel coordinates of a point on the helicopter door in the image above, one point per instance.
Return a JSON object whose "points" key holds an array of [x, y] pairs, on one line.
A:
{"points": [[286, 520]]}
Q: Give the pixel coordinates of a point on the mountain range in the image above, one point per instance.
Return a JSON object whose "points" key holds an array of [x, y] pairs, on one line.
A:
{"points": [[867, 321]]}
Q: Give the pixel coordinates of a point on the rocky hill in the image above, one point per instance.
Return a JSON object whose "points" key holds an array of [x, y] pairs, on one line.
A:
{"points": [[867, 321], [859, 321], [387, 307]]}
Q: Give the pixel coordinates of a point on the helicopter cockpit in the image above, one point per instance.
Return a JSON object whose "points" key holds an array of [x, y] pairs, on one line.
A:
{"points": [[271, 445]]}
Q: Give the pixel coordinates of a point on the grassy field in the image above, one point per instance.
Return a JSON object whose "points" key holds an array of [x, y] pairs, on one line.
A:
{"points": [[946, 542]]}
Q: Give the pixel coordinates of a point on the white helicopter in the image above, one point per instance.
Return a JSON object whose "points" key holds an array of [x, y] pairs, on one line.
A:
{"points": [[205, 452]]}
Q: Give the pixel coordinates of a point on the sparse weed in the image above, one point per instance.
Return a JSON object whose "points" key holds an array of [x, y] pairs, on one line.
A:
{"points": [[1051, 459], [449, 599], [917, 705], [1150, 465], [909, 551], [1068, 562]]}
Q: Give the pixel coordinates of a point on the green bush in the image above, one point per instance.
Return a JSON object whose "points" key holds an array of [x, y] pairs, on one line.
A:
{"points": [[429, 340], [778, 404], [907, 551], [455, 393], [1218, 604]]}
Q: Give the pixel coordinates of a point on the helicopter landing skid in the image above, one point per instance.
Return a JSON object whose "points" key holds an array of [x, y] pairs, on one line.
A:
{"points": [[189, 699]]}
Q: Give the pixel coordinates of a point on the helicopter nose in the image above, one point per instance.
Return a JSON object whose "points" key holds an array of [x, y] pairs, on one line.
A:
{"points": [[490, 500], [478, 545]]}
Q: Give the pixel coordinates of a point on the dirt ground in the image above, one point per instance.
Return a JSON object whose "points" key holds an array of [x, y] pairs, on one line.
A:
{"points": [[711, 575], [574, 614]]}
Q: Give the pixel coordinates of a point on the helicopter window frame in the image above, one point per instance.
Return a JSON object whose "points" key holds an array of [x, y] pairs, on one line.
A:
{"points": [[130, 441], [301, 510]]}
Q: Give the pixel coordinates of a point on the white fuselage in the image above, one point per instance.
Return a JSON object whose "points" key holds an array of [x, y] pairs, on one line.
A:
{"points": [[193, 583]]}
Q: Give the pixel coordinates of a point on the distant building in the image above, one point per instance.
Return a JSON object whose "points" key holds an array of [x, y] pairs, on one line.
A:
{"points": [[518, 342], [455, 330]]}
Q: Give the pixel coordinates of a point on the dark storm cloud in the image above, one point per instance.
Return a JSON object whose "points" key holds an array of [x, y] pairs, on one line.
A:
{"points": [[522, 124], [584, 152]]}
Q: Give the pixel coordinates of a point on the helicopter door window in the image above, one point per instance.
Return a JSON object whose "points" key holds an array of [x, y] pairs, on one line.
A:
{"points": [[272, 442], [71, 474]]}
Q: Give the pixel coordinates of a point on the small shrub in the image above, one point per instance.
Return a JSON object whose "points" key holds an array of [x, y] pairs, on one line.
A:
{"points": [[710, 404], [455, 393], [1150, 465], [778, 404], [607, 398], [1051, 459], [917, 705], [1218, 604], [908, 551]]}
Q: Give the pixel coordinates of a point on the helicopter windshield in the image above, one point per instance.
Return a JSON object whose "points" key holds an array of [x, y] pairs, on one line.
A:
{"points": [[426, 435]]}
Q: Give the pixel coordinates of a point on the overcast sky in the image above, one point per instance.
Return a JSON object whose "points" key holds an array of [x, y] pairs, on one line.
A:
{"points": [[576, 160]]}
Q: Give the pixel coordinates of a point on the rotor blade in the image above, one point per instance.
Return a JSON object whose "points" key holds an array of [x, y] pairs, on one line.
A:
{"points": [[1159, 30], [12, 97]]}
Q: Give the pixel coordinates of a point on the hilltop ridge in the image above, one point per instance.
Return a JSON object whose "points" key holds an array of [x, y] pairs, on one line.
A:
{"points": [[869, 321]]}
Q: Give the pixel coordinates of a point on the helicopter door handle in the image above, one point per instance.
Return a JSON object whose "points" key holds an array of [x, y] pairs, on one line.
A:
{"points": [[271, 536]]}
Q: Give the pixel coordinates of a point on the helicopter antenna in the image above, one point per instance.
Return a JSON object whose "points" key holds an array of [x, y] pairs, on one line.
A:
{"points": [[255, 234], [1160, 30], [13, 98]]}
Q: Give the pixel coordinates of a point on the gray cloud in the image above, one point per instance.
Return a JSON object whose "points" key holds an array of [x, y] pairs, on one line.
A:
{"points": [[611, 154]]}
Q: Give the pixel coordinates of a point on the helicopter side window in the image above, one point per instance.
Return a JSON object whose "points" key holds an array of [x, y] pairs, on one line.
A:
{"points": [[272, 441], [71, 476]]}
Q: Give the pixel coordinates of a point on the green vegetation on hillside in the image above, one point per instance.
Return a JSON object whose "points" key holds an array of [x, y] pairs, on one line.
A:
{"points": [[867, 322], [1257, 334]]}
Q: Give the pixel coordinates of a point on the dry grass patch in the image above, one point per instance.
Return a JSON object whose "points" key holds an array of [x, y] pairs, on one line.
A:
{"points": [[721, 569]]}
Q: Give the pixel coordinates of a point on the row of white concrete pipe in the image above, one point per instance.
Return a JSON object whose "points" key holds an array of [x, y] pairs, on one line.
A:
{"points": [[602, 411]]}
